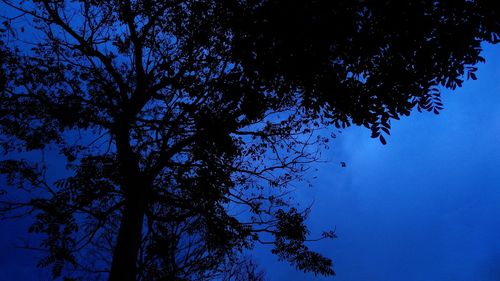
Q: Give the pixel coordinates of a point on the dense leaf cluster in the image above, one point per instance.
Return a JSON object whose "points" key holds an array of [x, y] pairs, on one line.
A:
{"points": [[366, 62]]}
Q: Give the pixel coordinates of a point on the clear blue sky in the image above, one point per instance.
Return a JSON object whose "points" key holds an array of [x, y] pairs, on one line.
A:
{"points": [[424, 207]]}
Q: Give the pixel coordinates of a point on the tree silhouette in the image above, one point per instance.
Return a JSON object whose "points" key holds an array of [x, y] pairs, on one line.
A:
{"points": [[183, 123]]}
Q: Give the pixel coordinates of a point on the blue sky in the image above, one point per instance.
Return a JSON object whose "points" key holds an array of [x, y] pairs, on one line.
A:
{"points": [[424, 207]]}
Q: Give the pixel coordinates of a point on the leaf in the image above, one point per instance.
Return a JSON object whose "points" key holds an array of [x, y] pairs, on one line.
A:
{"points": [[382, 140], [386, 130]]}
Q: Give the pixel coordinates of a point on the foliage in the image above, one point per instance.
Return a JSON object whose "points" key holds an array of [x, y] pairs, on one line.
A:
{"points": [[183, 124]]}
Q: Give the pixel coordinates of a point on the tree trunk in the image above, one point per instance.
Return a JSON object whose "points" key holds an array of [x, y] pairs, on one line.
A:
{"points": [[135, 187], [124, 264]]}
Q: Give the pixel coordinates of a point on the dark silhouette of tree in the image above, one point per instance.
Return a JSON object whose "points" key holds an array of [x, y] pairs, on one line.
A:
{"points": [[242, 269], [183, 123]]}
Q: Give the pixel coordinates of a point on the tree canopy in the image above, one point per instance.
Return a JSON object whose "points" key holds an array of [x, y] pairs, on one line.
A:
{"points": [[185, 124]]}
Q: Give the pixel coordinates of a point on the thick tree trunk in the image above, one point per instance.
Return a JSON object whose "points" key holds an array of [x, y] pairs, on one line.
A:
{"points": [[135, 186], [124, 265]]}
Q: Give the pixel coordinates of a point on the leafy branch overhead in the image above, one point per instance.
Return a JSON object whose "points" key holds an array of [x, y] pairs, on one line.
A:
{"points": [[185, 125]]}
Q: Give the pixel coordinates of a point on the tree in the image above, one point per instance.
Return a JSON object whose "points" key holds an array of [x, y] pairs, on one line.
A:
{"points": [[184, 123]]}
